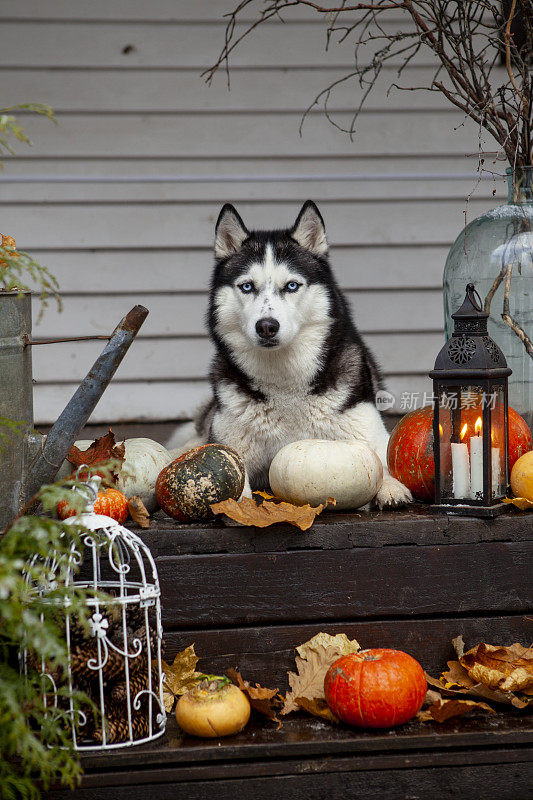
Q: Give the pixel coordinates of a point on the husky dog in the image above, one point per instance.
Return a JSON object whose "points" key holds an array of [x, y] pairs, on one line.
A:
{"points": [[289, 363]]}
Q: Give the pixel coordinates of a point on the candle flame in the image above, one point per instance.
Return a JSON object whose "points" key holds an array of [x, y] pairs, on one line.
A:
{"points": [[463, 431], [441, 430], [477, 426]]}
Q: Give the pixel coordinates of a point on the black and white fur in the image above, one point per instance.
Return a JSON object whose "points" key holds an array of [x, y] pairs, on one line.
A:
{"points": [[290, 363]]}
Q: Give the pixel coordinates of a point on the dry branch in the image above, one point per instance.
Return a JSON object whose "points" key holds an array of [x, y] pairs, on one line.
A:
{"points": [[465, 38]]}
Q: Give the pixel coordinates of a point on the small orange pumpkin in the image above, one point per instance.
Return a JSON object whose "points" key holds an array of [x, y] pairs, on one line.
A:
{"points": [[110, 502], [376, 688]]}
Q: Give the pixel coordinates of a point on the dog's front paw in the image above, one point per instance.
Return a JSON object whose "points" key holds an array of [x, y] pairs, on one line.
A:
{"points": [[247, 490], [392, 493]]}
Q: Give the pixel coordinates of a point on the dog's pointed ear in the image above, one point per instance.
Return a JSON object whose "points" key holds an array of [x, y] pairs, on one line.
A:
{"points": [[309, 230], [230, 232]]}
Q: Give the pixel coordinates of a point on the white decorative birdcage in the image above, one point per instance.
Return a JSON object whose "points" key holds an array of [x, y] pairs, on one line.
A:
{"points": [[117, 660]]}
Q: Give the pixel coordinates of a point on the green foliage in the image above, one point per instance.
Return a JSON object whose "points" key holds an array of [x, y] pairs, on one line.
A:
{"points": [[18, 270], [11, 130], [10, 428], [36, 742]]}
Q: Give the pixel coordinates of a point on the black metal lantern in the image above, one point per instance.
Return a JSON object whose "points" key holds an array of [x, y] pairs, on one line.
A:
{"points": [[470, 417]]}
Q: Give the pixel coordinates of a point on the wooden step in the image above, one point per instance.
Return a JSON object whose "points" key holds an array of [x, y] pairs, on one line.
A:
{"points": [[310, 758], [406, 579]]}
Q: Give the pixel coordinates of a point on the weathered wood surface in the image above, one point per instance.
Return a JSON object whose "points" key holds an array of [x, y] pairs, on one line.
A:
{"points": [[300, 736], [324, 585], [502, 780], [264, 654], [347, 567], [405, 579], [312, 757], [414, 525]]}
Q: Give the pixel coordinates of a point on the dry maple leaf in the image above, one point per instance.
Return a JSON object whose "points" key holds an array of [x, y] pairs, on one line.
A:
{"points": [[455, 682], [457, 675], [180, 676], [338, 642], [313, 659], [265, 495], [102, 450], [507, 668], [248, 512], [262, 699], [443, 710], [459, 645], [308, 680], [318, 708], [520, 502], [138, 511]]}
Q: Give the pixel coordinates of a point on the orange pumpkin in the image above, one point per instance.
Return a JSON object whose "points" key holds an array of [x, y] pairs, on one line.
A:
{"points": [[375, 688], [410, 450], [110, 502]]}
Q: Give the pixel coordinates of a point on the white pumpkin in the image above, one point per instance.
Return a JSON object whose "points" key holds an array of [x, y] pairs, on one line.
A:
{"points": [[144, 460], [311, 470]]}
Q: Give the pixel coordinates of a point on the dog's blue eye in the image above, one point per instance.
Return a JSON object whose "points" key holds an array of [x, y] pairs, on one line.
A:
{"points": [[292, 286], [247, 287]]}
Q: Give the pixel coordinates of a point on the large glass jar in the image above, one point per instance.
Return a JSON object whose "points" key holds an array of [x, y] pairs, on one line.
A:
{"points": [[495, 252]]}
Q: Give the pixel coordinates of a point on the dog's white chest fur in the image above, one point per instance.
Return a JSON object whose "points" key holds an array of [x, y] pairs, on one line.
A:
{"points": [[259, 429]]}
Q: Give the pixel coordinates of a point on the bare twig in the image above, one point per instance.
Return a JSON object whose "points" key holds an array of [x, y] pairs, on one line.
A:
{"points": [[508, 53], [494, 288], [465, 38], [508, 319]]}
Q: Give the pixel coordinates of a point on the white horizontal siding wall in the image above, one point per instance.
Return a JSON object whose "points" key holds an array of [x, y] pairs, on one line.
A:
{"points": [[120, 198]]}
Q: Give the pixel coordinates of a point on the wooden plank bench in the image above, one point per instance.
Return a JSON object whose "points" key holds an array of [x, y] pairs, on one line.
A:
{"points": [[404, 579]]}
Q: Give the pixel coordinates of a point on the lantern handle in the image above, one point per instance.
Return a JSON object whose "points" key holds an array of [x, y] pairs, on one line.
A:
{"points": [[473, 296]]}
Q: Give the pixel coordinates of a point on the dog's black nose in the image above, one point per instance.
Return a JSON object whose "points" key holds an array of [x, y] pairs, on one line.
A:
{"points": [[267, 327]]}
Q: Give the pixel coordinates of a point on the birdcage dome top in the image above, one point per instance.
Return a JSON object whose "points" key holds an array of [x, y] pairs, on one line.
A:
{"points": [[127, 557]]}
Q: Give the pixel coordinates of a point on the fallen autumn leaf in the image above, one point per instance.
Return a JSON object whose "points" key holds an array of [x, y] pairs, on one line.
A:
{"points": [[507, 668], [138, 511], [313, 659], [102, 450], [248, 512], [261, 699], [180, 676], [443, 710]]}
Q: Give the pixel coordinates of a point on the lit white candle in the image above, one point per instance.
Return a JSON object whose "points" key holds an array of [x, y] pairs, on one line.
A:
{"points": [[460, 470], [476, 462], [496, 471]]}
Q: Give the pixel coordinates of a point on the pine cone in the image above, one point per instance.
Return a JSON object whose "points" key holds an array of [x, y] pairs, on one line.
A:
{"points": [[138, 683], [140, 633], [135, 616], [117, 636], [82, 654], [117, 729]]}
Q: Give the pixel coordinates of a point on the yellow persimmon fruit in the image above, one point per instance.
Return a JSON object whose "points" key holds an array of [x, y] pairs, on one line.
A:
{"points": [[213, 708], [522, 477]]}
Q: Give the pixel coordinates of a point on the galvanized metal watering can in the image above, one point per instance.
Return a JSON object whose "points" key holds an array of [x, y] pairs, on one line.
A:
{"points": [[30, 460]]}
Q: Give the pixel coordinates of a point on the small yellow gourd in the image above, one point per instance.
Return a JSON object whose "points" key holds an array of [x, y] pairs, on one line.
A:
{"points": [[213, 708], [522, 476]]}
